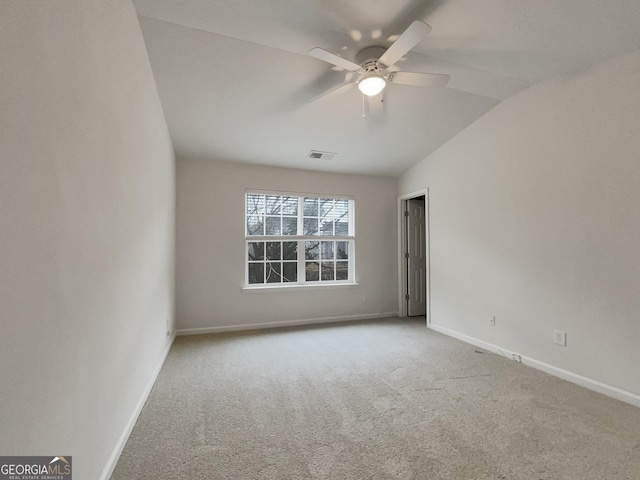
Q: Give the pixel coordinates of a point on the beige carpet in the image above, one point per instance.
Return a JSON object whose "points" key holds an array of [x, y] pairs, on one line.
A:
{"points": [[376, 400]]}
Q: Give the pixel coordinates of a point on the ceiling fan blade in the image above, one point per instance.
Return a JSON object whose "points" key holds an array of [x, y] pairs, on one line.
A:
{"points": [[333, 59], [419, 79], [332, 93], [409, 39]]}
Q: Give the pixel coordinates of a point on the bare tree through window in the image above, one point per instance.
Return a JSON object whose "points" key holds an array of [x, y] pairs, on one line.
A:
{"points": [[278, 227]]}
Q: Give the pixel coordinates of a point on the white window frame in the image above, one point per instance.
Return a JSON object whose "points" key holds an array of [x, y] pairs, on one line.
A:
{"points": [[301, 239]]}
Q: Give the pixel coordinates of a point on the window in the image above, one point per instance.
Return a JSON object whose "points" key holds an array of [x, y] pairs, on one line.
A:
{"points": [[298, 240]]}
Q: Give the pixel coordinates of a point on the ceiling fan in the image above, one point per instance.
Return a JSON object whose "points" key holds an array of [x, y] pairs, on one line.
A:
{"points": [[374, 63]]}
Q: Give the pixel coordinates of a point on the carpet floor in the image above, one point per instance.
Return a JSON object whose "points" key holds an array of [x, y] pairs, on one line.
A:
{"points": [[386, 399]]}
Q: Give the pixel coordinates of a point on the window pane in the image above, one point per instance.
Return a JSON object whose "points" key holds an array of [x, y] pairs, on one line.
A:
{"points": [[255, 204], [311, 271], [327, 271], [342, 227], [290, 205], [272, 226], [342, 270], [256, 273], [342, 250], [289, 272], [289, 225], [327, 250], [326, 207], [312, 250], [273, 251], [273, 204], [255, 250], [341, 209], [290, 250], [274, 272], [310, 207], [326, 227], [310, 226], [255, 226], [285, 218]]}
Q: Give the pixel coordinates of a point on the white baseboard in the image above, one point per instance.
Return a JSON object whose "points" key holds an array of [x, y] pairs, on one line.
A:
{"points": [[285, 323], [122, 441], [585, 382]]}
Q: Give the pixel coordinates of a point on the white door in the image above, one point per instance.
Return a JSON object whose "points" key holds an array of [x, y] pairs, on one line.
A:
{"points": [[416, 258]]}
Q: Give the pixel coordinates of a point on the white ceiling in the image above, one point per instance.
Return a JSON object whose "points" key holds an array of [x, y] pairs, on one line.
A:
{"points": [[235, 80]]}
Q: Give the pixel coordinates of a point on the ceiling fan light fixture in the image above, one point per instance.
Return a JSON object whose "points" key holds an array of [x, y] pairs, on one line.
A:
{"points": [[372, 85]]}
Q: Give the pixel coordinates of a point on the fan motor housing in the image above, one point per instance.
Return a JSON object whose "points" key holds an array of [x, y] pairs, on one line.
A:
{"points": [[369, 55]]}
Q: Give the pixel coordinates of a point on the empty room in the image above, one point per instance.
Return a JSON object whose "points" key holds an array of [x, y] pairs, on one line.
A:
{"points": [[304, 239]]}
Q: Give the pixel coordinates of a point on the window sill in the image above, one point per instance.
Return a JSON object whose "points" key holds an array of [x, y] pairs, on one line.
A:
{"points": [[289, 288]]}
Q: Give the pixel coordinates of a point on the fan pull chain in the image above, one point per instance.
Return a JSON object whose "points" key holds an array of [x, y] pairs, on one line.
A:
{"points": [[363, 100]]}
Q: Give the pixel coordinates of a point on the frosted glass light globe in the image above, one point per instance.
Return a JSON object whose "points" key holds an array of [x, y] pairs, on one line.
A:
{"points": [[372, 85]]}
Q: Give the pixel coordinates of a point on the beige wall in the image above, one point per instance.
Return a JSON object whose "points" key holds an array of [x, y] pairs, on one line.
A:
{"points": [[534, 219], [86, 228], [210, 247]]}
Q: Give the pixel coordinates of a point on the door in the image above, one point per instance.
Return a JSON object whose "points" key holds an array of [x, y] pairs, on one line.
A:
{"points": [[416, 257]]}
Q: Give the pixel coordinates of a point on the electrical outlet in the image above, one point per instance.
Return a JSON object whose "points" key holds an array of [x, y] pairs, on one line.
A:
{"points": [[517, 358], [560, 338], [492, 321], [168, 326]]}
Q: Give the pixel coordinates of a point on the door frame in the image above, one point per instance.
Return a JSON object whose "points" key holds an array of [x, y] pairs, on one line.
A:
{"points": [[402, 241]]}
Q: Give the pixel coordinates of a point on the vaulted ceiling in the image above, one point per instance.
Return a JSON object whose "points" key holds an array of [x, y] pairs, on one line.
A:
{"points": [[236, 82]]}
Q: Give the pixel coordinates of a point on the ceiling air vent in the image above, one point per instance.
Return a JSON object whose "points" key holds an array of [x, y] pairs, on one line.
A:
{"points": [[317, 154]]}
